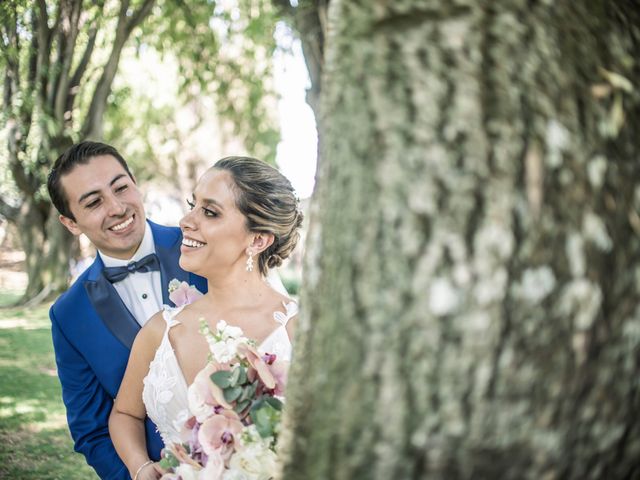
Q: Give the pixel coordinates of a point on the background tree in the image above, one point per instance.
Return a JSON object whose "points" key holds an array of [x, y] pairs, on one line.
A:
{"points": [[471, 295], [45, 65], [309, 20], [59, 60]]}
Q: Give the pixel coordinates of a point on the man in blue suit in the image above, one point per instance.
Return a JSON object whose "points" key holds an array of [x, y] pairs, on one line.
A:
{"points": [[95, 322]]}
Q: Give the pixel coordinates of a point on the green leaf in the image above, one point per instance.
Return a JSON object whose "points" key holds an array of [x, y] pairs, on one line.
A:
{"points": [[232, 393], [235, 376], [262, 422], [243, 375], [238, 376], [265, 417], [221, 378], [241, 405], [249, 391], [169, 461], [274, 402]]}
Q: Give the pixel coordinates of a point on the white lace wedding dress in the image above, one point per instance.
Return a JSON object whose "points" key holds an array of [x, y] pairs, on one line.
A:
{"points": [[165, 388]]}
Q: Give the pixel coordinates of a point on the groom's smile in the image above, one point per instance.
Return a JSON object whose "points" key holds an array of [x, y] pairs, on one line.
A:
{"points": [[121, 226], [106, 205]]}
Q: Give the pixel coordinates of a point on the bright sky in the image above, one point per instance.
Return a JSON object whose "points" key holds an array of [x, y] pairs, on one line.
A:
{"points": [[297, 151]]}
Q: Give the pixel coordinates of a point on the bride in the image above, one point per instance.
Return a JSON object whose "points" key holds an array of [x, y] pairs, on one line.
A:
{"points": [[244, 219]]}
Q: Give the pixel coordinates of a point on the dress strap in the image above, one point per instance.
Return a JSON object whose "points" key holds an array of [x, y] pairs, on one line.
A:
{"points": [[169, 314], [291, 311]]}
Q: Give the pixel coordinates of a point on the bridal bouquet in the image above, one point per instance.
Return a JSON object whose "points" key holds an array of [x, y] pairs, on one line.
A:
{"points": [[235, 404]]}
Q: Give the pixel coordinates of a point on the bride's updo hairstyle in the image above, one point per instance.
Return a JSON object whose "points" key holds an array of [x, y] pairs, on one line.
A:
{"points": [[267, 200]]}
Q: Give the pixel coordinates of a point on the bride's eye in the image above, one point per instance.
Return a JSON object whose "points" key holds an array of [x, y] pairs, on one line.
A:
{"points": [[209, 213], [191, 204]]}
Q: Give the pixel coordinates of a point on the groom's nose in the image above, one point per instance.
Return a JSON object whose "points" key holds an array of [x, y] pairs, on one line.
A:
{"points": [[115, 207]]}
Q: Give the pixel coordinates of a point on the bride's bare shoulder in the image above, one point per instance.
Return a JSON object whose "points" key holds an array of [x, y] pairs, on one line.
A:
{"points": [[153, 330]]}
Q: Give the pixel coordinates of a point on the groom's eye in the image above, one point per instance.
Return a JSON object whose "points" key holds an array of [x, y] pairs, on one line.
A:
{"points": [[93, 203]]}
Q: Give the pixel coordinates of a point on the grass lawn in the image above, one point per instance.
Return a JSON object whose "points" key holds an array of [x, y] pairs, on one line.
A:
{"points": [[34, 439]]}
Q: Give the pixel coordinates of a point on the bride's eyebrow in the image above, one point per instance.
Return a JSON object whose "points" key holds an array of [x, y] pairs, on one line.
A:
{"points": [[211, 201]]}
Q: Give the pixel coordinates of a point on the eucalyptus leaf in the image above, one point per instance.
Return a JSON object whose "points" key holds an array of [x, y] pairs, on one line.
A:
{"points": [[241, 405], [235, 376], [249, 391], [262, 421], [274, 402], [243, 375], [232, 393], [221, 378]]}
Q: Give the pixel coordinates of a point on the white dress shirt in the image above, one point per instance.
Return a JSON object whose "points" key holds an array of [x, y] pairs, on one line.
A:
{"points": [[140, 291]]}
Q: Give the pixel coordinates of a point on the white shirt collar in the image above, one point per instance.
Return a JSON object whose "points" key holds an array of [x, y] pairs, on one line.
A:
{"points": [[146, 247]]}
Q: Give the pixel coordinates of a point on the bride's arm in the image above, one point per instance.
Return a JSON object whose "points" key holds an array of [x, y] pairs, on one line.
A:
{"points": [[126, 423]]}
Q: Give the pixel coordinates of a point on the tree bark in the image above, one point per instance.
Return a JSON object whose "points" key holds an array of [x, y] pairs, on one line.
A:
{"points": [[470, 303]]}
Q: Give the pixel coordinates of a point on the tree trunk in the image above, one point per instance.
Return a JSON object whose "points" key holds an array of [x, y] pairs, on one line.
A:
{"points": [[48, 247], [470, 304], [36, 94]]}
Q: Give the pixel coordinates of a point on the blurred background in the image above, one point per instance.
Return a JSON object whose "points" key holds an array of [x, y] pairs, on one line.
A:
{"points": [[174, 86]]}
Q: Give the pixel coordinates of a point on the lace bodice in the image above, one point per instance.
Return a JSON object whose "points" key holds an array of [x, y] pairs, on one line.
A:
{"points": [[164, 390]]}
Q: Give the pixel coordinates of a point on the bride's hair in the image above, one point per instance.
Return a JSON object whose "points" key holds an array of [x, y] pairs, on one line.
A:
{"points": [[267, 200]]}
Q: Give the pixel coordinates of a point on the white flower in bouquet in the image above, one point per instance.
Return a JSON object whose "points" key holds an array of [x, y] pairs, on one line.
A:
{"points": [[224, 343], [187, 472], [255, 460], [224, 351], [227, 331]]}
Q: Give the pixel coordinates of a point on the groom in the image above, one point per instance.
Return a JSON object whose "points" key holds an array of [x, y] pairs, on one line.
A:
{"points": [[95, 322]]}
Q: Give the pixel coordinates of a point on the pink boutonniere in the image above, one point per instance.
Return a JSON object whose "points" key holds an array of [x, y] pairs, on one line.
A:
{"points": [[181, 293]]}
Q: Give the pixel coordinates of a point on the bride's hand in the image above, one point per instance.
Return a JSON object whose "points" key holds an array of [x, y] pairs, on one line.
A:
{"points": [[151, 471]]}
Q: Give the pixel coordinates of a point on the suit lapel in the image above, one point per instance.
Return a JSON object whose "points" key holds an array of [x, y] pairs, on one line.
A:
{"points": [[167, 243], [109, 306]]}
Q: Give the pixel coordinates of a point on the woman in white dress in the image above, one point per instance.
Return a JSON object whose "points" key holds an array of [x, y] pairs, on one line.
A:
{"points": [[244, 219]]}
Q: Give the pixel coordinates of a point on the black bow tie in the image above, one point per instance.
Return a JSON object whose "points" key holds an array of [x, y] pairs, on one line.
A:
{"points": [[145, 264]]}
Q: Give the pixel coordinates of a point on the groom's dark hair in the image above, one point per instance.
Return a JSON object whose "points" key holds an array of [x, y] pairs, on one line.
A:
{"points": [[78, 154]]}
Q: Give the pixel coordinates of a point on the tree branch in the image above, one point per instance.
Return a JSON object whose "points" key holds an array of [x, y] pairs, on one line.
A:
{"points": [[138, 16], [52, 74], [81, 68], [44, 34], [309, 20], [284, 6], [70, 33], [88, 51], [92, 127], [8, 211], [16, 140]]}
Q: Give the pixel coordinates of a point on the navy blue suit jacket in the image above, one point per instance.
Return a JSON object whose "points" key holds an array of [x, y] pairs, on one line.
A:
{"points": [[92, 334]]}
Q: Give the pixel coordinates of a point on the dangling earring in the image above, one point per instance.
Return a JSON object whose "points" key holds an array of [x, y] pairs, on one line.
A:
{"points": [[249, 261]]}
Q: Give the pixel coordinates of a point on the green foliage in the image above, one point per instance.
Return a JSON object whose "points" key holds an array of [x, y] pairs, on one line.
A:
{"points": [[33, 431], [168, 460], [224, 52], [222, 378], [265, 414]]}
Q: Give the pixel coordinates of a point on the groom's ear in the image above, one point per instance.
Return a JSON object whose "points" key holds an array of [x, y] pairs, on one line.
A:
{"points": [[71, 225], [261, 241]]}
